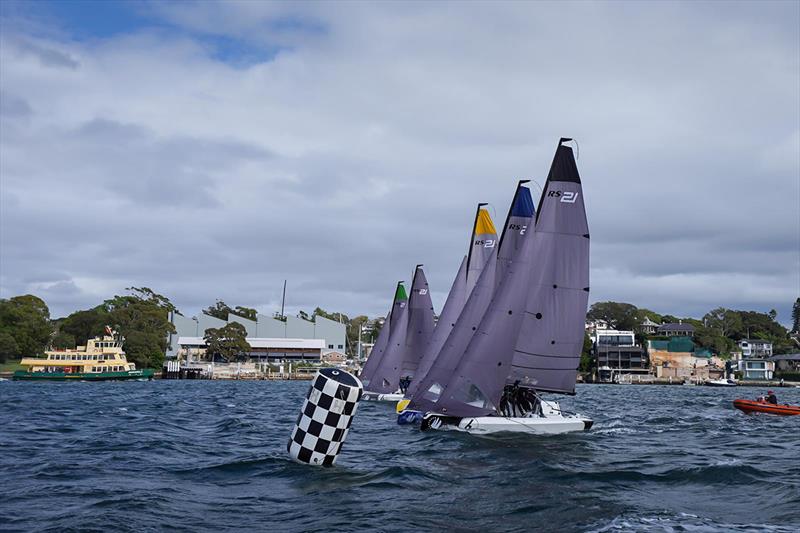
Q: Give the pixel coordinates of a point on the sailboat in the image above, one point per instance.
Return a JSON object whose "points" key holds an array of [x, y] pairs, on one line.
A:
{"points": [[449, 352], [483, 239], [393, 316], [409, 335], [529, 340]]}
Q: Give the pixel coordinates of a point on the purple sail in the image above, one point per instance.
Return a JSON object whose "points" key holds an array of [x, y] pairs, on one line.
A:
{"points": [[409, 335], [532, 331], [432, 385], [375, 356], [482, 238], [450, 312]]}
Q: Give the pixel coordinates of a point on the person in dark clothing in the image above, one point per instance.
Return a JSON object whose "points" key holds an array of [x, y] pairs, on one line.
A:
{"points": [[771, 398]]}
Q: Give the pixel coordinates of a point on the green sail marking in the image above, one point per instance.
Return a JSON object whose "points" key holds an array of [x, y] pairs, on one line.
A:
{"points": [[400, 294]]}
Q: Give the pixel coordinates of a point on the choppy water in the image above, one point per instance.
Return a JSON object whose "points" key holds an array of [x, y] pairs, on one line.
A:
{"points": [[210, 456]]}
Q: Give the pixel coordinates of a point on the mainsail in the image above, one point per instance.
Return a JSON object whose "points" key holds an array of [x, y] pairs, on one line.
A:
{"points": [[408, 337], [378, 349], [420, 324], [483, 232], [431, 386], [532, 332]]}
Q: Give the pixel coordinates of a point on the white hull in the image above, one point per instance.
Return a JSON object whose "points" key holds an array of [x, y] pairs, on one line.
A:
{"points": [[720, 383], [376, 397], [551, 422]]}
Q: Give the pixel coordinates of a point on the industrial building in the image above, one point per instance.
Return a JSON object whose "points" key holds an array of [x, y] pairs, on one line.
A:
{"points": [[270, 338]]}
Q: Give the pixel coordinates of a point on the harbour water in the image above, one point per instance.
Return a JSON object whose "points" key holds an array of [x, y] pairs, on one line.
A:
{"points": [[210, 456]]}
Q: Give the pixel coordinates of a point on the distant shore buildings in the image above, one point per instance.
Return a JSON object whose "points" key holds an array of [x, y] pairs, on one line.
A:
{"points": [[669, 351], [271, 339]]}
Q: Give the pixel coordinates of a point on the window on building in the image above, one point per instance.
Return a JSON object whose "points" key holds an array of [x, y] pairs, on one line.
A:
{"points": [[341, 346], [330, 346]]}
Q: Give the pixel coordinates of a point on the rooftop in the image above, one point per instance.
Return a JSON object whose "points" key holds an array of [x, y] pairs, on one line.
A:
{"points": [[676, 326], [785, 357], [311, 344]]}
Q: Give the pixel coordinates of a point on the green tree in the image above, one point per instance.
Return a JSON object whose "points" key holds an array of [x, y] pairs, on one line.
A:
{"points": [[63, 341], [586, 354], [27, 320], [9, 349], [245, 312], [228, 342], [709, 337], [85, 325], [622, 316], [142, 318], [796, 316], [725, 321], [219, 310]]}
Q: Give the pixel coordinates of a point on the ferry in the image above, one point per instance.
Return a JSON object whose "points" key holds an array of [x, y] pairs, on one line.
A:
{"points": [[102, 359]]}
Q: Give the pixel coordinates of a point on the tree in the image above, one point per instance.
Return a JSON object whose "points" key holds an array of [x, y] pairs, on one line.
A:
{"points": [[63, 341], [586, 353], [84, 325], [336, 317], [725, 321], [9, 349], [245, 312], [228, 342], [796, 316], [218, 310], [710, 337], [142, 318], [618, 315], [26, 319]]}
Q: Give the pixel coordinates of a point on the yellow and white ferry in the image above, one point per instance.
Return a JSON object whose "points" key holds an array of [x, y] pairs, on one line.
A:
{"points": [[101, 359]]}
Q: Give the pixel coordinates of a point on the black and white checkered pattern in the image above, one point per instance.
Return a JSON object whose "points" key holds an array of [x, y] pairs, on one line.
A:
{"points": [[326, 416]]}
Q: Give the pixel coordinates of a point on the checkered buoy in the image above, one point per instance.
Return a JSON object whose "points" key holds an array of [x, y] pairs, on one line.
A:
{"points": [[326, 416]]}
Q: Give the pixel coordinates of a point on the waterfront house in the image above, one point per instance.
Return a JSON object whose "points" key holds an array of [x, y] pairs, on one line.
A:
{"points": [[757, 369], [679, 358], [755, 348], [789, 362], [616, 353], [649, 327], [676, 329]]}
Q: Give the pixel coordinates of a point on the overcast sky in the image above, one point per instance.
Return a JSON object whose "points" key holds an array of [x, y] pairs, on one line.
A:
{"points": [[212, 150]]}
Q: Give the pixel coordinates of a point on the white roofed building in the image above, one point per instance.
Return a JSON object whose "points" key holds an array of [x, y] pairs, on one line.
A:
{"points": [[332, 334], [193, 349]]}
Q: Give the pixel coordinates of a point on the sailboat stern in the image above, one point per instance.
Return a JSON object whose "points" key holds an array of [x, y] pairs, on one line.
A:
{"points": [[550, 421]]}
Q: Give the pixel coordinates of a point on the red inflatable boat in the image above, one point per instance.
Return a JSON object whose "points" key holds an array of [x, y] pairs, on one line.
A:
{"points": [[752, 406]]}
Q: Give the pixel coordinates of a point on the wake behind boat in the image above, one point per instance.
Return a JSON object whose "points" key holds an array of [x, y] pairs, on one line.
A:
{"points": [[530, 337]]}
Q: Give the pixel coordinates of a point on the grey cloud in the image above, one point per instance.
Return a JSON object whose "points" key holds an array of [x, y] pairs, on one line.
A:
{"points": [[12, 106], [362, 149]]}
